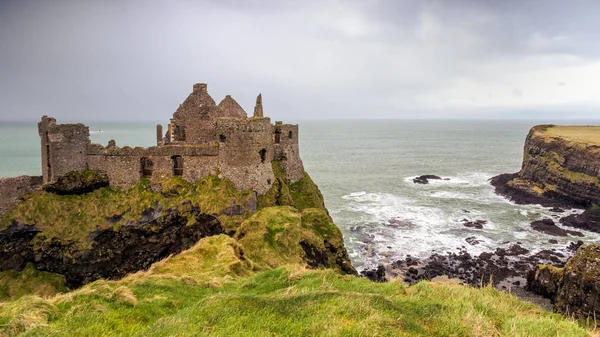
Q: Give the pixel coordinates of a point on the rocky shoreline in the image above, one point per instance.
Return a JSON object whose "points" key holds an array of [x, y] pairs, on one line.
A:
{"points": [[509, 268]]}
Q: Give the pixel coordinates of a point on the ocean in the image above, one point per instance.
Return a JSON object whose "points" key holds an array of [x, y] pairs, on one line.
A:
{"points": [[365, 168]]}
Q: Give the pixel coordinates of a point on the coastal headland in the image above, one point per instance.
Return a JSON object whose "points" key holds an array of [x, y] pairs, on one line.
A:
{"points": [[195, 237]]}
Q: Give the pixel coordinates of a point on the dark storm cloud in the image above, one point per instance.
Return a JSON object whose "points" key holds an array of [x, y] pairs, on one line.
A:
{"points": [[81, 60]]}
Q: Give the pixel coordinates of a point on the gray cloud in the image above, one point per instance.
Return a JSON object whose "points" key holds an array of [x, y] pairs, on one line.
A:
{"points": [[82, 60]]}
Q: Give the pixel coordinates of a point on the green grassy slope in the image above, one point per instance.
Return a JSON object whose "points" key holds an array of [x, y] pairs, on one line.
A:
{"points": [[212, 289]]}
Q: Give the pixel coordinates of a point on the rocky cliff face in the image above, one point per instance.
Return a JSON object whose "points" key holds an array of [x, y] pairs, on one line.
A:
{"points": [[86, 231], [574, 289], [560, 165], [113, 253]]}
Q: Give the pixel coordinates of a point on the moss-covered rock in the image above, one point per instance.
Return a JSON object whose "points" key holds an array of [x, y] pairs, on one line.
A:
{"points": [[277, 236], [579, 294], [545, 280], [300, 194], [78, 182], [14, 284]]}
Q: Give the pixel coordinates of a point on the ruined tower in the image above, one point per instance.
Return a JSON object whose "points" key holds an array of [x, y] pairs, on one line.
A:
{"points": [[258, 108]]}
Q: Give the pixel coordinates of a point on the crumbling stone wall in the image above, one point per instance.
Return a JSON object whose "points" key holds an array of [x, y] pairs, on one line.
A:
{"points": [[12, 189], [202, 139], [285, 139], [246, 152], [63, 148], [124, 165]]}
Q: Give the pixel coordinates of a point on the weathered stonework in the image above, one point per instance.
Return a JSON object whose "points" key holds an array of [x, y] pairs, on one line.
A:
{"points": [[11, 190], [202, 138]]}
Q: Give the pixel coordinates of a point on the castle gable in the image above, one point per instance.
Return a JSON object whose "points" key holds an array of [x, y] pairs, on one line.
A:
{"points": [[231, 108], [198, 105]]}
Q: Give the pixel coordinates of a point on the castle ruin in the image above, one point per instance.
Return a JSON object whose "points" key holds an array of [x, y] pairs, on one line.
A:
{"points": [[202, 138]]}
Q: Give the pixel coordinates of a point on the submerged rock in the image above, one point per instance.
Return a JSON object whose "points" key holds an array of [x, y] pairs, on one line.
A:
{"points": [[478, 224], [424, 179], [547, 226]]}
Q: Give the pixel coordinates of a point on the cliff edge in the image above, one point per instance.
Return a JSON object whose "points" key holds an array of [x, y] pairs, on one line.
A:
{"points": [[561, 167]]}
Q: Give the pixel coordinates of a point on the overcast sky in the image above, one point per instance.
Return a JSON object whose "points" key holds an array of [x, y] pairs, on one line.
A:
{"points": [[128, 60]]}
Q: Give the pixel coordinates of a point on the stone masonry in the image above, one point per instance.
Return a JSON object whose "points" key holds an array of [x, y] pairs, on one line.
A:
{"points": [[202, 138]]}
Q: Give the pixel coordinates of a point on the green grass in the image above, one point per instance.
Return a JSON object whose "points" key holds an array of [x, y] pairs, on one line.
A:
{"points": [[271, 238], [578, 134], [74, 217], [181, 296], [301, 194], [29, 281]]}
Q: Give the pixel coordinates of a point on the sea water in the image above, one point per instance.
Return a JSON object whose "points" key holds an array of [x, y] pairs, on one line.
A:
{"points": [[365, 170]]}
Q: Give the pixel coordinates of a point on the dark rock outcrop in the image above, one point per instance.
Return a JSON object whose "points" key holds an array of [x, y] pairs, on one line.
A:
{"points": [[424, 179], [503, 268], [547, 226], [588, 220], [78, 182], [579, 293], [477, 224], [113, 253], [375, 275], [506, 186], [575, 289], [545, 281]]}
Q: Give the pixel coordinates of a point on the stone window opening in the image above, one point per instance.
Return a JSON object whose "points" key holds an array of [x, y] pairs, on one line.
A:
{"points": [[222, 138], [179, 133], [147, 167], [290, 135], [277, 136], [263, 155], [177, 165], [48, 164]]}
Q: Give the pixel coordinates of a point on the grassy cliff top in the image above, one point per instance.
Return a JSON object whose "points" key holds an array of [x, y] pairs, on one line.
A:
{"points": [[579, 134], [213, 289]]}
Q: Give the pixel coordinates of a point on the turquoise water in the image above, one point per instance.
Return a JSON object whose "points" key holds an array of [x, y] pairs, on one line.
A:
{"points": [[365, 171]]}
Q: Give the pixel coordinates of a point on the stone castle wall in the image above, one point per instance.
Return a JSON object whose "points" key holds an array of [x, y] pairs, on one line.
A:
{"points": [[64, 148], [203, 139], [287, 151], [246, 152], [12, 189]]}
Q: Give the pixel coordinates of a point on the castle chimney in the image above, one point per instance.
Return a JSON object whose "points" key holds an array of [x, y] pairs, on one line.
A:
{"points": [[258, 108], [159, 134], [200, 87]]}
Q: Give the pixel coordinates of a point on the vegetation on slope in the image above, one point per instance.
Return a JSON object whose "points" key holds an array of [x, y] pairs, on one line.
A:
{"points": [[15, 284], [301, 194], [254, 282], [214, 289], [74, 217], [589, 135]]}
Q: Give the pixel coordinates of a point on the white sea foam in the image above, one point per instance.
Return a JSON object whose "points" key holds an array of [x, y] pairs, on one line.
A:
{"points": [[420, 226]]}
